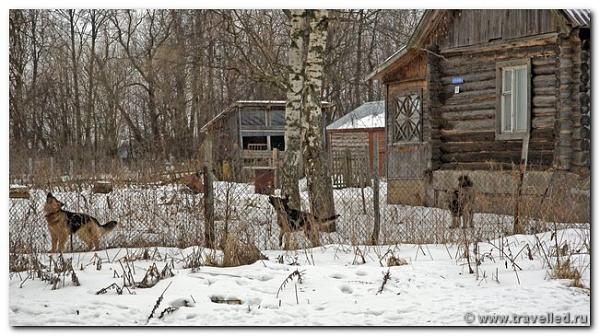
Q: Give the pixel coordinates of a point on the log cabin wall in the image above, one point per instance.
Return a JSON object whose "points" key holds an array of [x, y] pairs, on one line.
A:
{"points": [[461, 130], [471, 43], [581, 118], [468, 119]]}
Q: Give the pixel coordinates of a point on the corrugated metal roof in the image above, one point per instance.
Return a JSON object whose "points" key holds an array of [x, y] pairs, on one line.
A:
{"points": [[579, 17], [368, 115]]}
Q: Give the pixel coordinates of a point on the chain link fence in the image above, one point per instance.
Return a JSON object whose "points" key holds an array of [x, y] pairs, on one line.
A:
{"points": [[168, 211]]}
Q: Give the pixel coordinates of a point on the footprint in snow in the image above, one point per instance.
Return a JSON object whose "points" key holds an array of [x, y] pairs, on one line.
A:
{"points": [[265, 277], [346, 289], [336, 276], [182, 303]]}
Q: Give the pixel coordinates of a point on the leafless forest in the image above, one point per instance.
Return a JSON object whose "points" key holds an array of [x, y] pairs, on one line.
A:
{"points": [[95, 85]]}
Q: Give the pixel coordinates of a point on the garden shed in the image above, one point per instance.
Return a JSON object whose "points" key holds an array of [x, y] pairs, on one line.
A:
{"points": [[357, 131], [248, 135]]}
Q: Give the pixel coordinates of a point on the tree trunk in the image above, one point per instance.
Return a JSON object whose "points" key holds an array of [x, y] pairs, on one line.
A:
{"points": [[75, 65], [320, 190], [293, 110]]}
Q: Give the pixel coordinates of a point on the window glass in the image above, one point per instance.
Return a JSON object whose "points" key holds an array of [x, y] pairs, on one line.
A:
{"points": [[514, 100], [507, 80], [521, 95], [506, 112], [253, 118], [277, 118]]}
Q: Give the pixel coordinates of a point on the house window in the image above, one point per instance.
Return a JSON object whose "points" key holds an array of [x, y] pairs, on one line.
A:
{"points": [[513, 108]]}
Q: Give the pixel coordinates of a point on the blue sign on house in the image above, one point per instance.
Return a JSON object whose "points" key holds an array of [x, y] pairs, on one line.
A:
{"points": [[458, 80]]}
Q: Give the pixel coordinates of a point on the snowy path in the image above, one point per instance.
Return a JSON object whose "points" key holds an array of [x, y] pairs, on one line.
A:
{"points": [[432, 289]]}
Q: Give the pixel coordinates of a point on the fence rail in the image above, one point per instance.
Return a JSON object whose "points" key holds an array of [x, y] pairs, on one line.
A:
{"points": [[164, 211]]}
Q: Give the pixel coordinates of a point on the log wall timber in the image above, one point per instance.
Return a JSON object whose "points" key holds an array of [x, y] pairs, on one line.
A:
{"points": [[467, 119], [565, 101], [431, 104], [581, 120]]}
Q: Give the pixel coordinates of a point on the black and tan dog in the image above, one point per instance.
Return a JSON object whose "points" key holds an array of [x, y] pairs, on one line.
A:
{"points": [[62, 223], [292, 220], [461, 203]]}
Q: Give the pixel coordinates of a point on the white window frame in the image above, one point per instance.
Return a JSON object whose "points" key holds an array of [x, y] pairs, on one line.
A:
{"points": [[501, 109]]}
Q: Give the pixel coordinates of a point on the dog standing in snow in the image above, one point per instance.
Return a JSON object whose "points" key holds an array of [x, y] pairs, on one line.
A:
{"points": [[62, 223], [461, 203], [292, 220]]}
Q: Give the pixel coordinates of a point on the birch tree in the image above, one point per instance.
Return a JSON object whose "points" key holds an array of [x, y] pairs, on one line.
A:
{"points": [[320, 190], [293, 109]]}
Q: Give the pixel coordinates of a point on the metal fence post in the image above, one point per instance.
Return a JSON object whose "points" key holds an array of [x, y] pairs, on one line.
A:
{"points": [[209, 201], [30, 168]]}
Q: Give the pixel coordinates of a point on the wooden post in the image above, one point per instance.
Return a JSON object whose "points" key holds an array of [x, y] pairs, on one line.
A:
{"points": [[209, 201], [348, 180], [275, 166], [376, 214], [518, 225], [364, 175], [30, 168]]}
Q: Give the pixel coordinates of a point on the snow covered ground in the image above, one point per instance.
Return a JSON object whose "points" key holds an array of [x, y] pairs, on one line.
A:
{"points": [[337, 288]]}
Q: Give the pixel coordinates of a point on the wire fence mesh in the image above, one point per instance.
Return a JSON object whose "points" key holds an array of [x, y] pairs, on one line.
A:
{"points": [[168, 210]]}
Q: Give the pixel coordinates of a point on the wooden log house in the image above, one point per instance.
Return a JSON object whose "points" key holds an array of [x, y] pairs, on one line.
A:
{"points": [[477, 92]]}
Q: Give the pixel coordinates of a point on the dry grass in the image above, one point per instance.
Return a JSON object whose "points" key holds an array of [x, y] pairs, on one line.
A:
{"points": [[238, 253], [568, 272]]}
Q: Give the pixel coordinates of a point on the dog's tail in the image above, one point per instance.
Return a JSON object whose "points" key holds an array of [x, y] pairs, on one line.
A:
{"points": [[330, 218], [106, 228], [328, 224]]}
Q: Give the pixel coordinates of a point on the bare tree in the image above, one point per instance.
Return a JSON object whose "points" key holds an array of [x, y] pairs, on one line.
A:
{"points": [[88, 82], [320, 189], [293, 109]]}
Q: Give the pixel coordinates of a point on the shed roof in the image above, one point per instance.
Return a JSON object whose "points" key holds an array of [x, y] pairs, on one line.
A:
{"points": [[243, 103], [368, 115]]}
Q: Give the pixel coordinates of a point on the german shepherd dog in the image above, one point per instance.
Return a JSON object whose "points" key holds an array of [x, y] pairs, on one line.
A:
{"points": [[62, 223], [461, 203], [292, 220]]}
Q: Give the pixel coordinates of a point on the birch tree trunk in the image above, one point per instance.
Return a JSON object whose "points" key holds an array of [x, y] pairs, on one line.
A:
{"points": [[293, 110], [320, 190]]}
